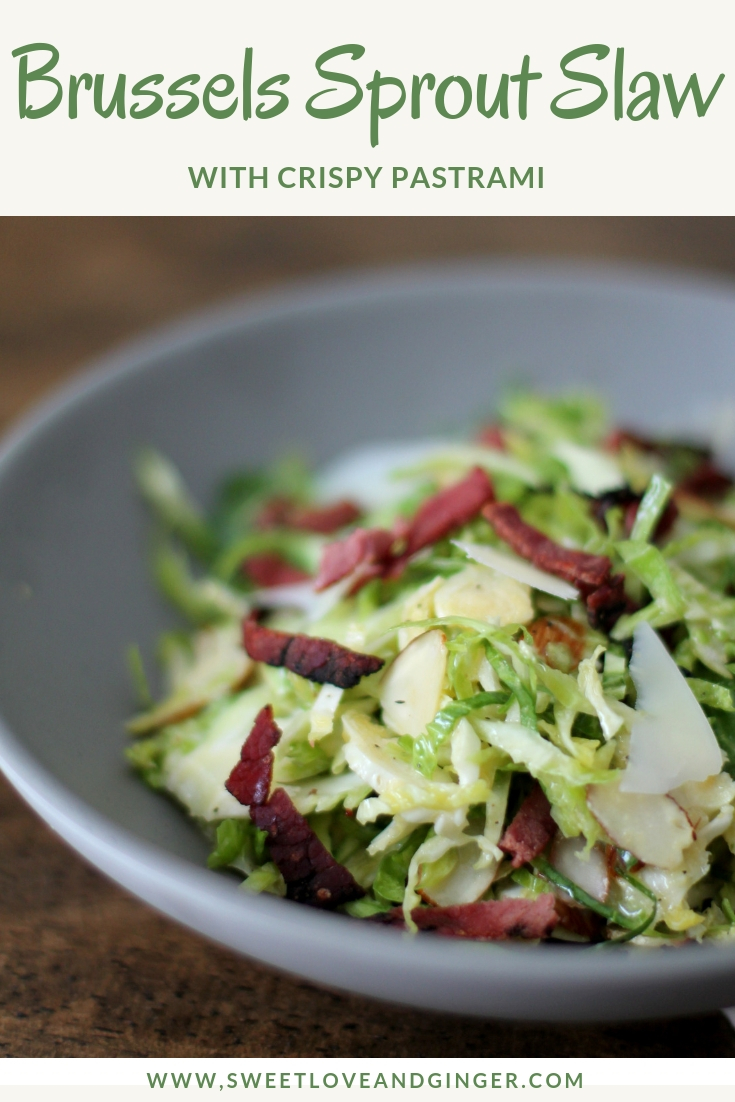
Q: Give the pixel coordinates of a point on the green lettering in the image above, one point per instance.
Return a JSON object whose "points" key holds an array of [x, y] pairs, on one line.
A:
{"points": [[600, 52], [522, 79], [701, 106], [117, 100], [378, 113], [647, 101], [176, 89], [514, 175], [247, 84], [41, 73], [500, 103], [265, 89], [619, 68], [355, 51], [202, 175], [416, 85], [419, 177], [211, 89], [441, 93], [139, 89], [74, 82]]}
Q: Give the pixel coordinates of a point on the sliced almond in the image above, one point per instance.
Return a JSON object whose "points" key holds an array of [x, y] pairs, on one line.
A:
{"points": [[481, 593], [412, 689], [651, 826], [589, 872], [418, 606]]}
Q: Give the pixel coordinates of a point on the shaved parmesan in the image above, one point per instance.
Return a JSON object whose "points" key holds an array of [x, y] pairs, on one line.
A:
{"points": [[367, 473], [301, 596], [411, 692], [519, 569], [652, 827], [671, 740], [591, 471]]}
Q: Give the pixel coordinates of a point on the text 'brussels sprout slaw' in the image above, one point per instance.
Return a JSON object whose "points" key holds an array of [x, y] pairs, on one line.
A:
{"points": [[481, 688]]}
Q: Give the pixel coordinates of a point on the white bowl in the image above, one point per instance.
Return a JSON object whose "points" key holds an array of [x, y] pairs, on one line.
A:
{"points": [[389, 356]]}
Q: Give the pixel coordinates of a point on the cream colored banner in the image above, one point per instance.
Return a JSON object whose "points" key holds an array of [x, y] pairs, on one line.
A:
{"points": [[622, 108], [344, 1079]]}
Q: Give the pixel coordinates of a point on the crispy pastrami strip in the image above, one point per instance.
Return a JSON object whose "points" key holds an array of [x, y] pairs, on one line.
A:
{"points": [[667, 449], [274, 513], [282, 512], [451, 508], [363, 553], [324, 519], [607, 603], [624, 497], [250, 780], [319, 660], [531, 829], [584, 571], [580, 920], [312, 875], [602, 593], [629, 502], [706, 481], [491, 436], [268, 568], [492, 920]]}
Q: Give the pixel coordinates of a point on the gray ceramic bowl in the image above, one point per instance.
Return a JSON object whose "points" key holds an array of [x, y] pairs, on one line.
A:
{"points": [[389, 356]]}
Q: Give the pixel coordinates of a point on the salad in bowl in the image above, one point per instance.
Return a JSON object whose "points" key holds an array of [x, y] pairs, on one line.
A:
{"points": [[480, 688]]}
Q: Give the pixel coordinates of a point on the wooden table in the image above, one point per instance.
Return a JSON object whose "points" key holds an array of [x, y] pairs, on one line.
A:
{"points": [[85, 970]]}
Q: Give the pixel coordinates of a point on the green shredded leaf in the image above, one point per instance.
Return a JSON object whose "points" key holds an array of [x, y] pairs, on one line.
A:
{"points": [[163, 489], [619, 918], [266, 878], [651, 508], [712, 694], [237, 839], [390, 882], [579, 417], [727, 910], [366, 907], [509, 677], [138, 677], [202, 602], [648, 564], [425, 746]]}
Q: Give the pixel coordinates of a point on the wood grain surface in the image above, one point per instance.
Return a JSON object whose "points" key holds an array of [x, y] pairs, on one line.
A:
{"points": [[86, 970]]}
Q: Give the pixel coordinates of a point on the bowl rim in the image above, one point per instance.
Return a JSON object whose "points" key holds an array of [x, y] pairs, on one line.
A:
{"points": [[429, 969]]}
